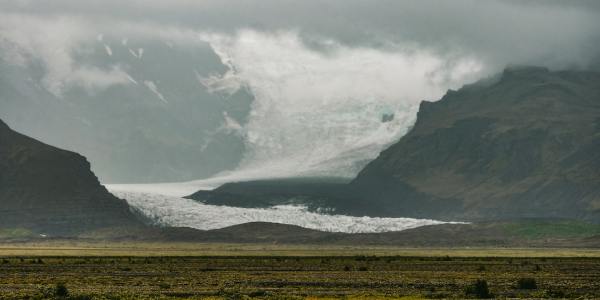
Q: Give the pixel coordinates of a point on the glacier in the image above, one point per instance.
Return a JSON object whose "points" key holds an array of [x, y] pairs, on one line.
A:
{"points": [[181, 212]]}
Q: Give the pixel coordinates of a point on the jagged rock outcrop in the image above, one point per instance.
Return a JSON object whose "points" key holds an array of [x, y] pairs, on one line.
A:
{"points": [[524, 144], [53, 191]]}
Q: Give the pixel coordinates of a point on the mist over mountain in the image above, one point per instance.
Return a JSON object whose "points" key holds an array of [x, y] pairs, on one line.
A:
{"points": [[338, 107], [299, 149], [158, 122], [154, 91], [525, 146], [522, 144]]}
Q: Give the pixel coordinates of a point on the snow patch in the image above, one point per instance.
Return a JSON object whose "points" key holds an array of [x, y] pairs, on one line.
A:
{"points": [[133, 53], [108, 50], [231, 124], [152, 87], [227, 83], [138, 54], [131, 79]]}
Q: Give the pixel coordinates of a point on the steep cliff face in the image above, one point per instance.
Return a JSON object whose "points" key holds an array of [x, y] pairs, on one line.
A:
{"points": [[52, 190], [524, 144]]}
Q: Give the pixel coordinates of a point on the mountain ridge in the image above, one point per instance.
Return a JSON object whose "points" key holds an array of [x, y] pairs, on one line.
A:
{"points": [[505, 150], [522, 144], [52, 190]]}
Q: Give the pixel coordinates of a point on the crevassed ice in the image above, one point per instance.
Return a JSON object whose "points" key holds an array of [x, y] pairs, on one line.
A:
{"points": [[181, 212]]}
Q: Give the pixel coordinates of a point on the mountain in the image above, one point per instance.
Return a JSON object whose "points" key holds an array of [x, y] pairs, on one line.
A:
{"points": [[156, 116], [47, 190], [522, 144], [315, 193], [53, 191]]}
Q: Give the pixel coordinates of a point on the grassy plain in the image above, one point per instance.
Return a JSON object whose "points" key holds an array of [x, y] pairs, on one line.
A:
{"points": [[78, 248], [91, 270]]}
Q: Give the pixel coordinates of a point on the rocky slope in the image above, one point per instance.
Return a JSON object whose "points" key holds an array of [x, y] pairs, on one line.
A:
{"points": [[525, 144], [53, 191]]}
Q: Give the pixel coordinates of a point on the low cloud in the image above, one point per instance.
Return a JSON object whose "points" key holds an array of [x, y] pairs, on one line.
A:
{"points": [[559, 34], [323, 73], [331, 103], [555, 34]]}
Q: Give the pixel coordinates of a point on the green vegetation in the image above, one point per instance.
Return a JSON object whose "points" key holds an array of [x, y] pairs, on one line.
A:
{"points": [[91, 248], [15, 233], [61, 290], [527, 284], [297, 277], [479, 290], [553, 229]]}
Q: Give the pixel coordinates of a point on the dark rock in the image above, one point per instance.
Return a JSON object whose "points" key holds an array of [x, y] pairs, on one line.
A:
{"points": [[51, 190], [526, 144]]}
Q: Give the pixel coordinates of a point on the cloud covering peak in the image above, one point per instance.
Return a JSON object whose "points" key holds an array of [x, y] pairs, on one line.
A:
{"points": [[558, 34], [323, 74]]}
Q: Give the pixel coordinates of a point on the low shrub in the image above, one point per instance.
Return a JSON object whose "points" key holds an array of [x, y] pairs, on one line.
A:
{"points": [[81, 297], [164, 285], [479, 289], [555, 294], [527, 284], [60, 290], [259, 293]]}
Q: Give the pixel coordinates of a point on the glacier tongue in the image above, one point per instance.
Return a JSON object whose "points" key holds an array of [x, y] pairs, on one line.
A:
{"points": [[181, 212]]}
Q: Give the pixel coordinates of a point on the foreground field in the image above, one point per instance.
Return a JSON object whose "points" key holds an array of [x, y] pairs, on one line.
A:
{"points": [[78, 247], [293, 273]]}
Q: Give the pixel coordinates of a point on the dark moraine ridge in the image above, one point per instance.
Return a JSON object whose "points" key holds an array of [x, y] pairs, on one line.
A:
{"points": [[53, 191], [524, 144]]}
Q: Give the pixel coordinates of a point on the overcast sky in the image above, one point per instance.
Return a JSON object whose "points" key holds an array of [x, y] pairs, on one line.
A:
{"points": [[322, 71], [559, 34]]}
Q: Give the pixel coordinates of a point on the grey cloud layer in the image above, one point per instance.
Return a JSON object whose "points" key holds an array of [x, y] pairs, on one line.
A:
{"points": [[175, 68], [559, 34]]}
